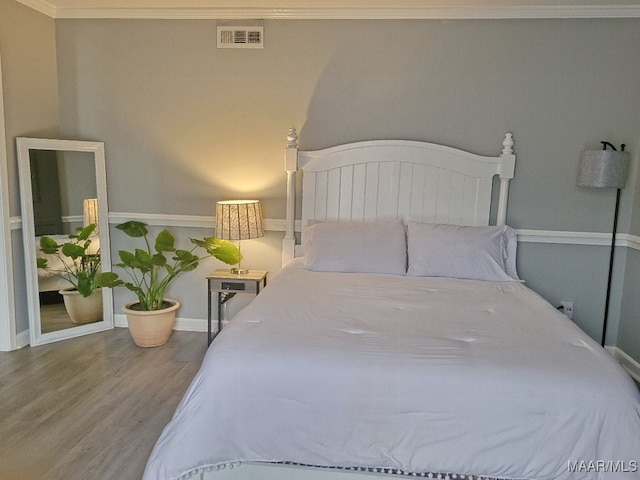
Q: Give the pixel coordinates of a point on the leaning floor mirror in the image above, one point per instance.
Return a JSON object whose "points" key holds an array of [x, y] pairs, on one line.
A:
{"points": [[63, 193]]}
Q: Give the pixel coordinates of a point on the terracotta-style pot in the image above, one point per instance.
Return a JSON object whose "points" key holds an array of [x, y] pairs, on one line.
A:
{"points": [[82, 309], [151, 328]]}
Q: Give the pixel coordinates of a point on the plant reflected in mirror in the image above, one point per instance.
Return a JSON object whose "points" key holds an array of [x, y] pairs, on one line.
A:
{"points": [[78, 262]]}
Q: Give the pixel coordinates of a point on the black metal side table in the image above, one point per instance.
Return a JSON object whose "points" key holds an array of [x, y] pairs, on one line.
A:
{"points": [[227, 285]]}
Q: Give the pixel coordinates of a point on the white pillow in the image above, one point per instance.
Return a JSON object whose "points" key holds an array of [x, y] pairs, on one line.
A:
{"points": [[476, 253], [356, 247]]}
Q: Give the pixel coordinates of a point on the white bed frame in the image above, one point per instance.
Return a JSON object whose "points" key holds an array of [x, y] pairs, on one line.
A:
{"points": [[377, 181], [394, 180]]}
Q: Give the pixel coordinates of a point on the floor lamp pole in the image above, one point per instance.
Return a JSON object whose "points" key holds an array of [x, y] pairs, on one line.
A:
{"points": [[605, 169], [613, 250]]}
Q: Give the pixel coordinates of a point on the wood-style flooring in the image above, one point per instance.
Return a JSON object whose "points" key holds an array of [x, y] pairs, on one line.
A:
{"points": [[54, 317], [90, 408]]}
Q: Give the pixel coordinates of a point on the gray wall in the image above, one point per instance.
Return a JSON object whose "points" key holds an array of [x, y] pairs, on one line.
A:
{"points": [[168, 103], [186, 124], [629, 329], [207, 124], [27, 40], [27, 45]]}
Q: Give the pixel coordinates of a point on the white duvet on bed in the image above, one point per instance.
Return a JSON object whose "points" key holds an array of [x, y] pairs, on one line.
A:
{"points": [[418, 374]]}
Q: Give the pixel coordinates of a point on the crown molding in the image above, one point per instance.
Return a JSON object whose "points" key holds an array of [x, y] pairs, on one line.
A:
{"points": [[41, 6], [488, 12]]}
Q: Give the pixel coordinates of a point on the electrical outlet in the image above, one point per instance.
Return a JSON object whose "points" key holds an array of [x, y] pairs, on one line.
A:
{"points": [[566, 306]]}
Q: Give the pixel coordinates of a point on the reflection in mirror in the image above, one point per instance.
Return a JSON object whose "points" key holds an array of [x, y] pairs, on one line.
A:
{"points": [[59, 181], [63, 195]]}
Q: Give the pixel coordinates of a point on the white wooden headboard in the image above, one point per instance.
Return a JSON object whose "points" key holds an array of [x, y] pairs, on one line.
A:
{"points": [[394, 180]]}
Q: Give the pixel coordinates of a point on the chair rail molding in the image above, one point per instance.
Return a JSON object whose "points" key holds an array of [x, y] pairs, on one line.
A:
{"points": [[15, 223], [279, 225], [192, 221]]}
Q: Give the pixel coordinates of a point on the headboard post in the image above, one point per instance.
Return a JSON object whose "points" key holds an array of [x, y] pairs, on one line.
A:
{"points": [[291, 167], [507, 171]]}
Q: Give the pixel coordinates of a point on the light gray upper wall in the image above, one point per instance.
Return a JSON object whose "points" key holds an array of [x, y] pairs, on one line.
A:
{"points": [[169, 105], [186, 124], [27, 44], [628, 338], [77, 178], [29, 77], [633, 181]]}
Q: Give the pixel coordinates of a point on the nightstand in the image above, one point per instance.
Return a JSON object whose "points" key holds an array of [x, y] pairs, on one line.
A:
{"points": [[226, 285]]}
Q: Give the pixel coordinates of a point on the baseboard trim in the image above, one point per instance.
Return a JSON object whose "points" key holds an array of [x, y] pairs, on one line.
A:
{"points": [[184, 324], [120, 320], [22, 339], [629, 363]]}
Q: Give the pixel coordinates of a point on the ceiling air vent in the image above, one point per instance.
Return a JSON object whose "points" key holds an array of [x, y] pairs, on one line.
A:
{"points": [[240, 37]]}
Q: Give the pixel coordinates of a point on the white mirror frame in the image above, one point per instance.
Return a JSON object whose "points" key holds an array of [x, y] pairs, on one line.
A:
{"points": [[24, 145]]}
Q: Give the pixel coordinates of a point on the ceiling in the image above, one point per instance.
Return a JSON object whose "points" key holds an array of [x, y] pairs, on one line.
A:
{"points": [[336, 9]]}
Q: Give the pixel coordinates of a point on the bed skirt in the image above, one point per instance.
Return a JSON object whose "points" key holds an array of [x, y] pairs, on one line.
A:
{"points": [[295, 471]]}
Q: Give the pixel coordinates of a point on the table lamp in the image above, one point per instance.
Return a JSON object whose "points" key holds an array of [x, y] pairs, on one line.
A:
{"points": [[90, 212], [90, 216], [239, 220]]}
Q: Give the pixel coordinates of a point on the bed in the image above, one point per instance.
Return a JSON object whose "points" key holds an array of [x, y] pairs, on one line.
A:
{"points": [[399, 341]]}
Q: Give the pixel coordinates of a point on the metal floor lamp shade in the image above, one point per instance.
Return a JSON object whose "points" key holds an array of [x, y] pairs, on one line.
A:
{"points": [[605, 169], [239, 220]]}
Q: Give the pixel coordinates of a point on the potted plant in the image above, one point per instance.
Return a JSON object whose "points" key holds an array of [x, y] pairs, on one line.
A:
{"points": [[151, 318], [78, 262]]}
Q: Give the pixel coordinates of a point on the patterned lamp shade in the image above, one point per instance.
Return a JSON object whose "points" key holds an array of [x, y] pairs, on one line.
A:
{"points": [[90, 215], [239, 220], [90, 211], [602, 169]]}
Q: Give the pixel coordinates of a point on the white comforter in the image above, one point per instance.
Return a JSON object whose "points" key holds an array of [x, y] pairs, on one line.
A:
{"points": [[418, 374]]}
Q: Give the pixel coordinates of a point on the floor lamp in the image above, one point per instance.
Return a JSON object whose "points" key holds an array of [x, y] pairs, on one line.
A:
{"points": [[605, 169]]}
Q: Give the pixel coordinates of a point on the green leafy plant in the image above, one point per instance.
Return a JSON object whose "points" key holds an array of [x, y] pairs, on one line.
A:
{"points": [[150, 271], [79, 264]]}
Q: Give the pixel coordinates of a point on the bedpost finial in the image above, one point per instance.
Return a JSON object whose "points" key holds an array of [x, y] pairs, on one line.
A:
{"points": [[292, 138], [507, 144]]}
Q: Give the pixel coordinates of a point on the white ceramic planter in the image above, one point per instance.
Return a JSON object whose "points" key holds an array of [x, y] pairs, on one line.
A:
{"points": [[82, 309], [151, 328]]}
